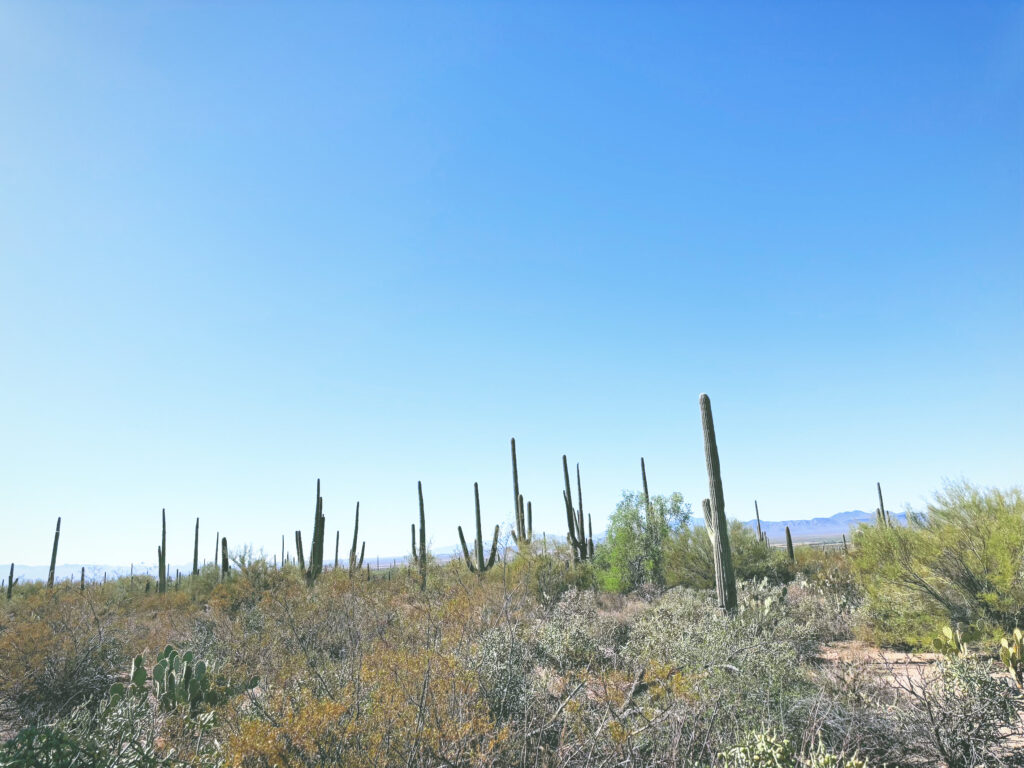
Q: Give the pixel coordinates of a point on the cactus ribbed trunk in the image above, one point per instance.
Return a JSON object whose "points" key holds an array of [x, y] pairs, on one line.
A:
{"points": [[353, 564], [298, 551], [480, 566], [582, 548], [884, 519], [757, 514], [523, 533], [195, 552], [727, 591], [224, 558], [162, 553], [10, 583], [53, 556], [789, 545], [421, 556], [337, 545], [81, 584]]}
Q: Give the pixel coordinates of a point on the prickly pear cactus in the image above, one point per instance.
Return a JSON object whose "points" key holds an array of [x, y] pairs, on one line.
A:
{"points": [[951, 642], [1011, 652], [180, 681]]}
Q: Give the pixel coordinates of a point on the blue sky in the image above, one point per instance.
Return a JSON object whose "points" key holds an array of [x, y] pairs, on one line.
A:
{"points": [[244, 245]]}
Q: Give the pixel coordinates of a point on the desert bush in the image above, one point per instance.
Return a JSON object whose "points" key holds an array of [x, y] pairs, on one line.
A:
{"points": [[574, 635], [690, 563], [633, 552], [58, 652], [503, 663], [958, 562], [767, 750]]}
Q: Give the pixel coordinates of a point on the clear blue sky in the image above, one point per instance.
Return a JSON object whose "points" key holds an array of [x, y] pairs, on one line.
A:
{"points": [[246, 245]]}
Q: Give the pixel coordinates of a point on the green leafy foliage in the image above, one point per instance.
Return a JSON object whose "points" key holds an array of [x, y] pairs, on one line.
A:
{"points": [[958, 562]]}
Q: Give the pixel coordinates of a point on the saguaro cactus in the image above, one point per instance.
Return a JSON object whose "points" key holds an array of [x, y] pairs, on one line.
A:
{"points": [[316, 548], [10, 583], [353, 564], [479, 566], [162, 553], [337, 545], [576, 536], [789, 545], [53, 555], [655, 528], [884, 519], [298, 551], [420, 556], [718, 529], [757, 514], [523, 533], [195, 552], [224, 558]]}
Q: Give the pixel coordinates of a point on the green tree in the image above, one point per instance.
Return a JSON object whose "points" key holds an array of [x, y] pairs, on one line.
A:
{"points": [[959, 561], [633, 552]]}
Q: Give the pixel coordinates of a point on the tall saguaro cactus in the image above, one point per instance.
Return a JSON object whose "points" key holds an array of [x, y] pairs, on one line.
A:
{"points": [[523, 533], [478, 546], [884, 518], [420, 556], [10, 583], [195, 552], [714, 513], [789, 545], [355, 565], [53, 555], [162, 553], [316, 548], [298, 551], [757, 514], [224, 558], [582, 548]]}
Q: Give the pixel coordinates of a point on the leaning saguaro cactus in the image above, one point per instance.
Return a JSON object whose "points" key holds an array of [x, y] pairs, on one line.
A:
{"points": [[714, 513], [355, 565], [53, 555], [478, 546], [884, 519], [419, 556], [582, 548], [523, 533], [161, 553]]}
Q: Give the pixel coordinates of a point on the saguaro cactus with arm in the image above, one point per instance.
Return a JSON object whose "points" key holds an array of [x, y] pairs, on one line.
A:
{"points": [[355, 565], [420, 556], [576, 535], [725, 577], [523, 533], [479, 566]]}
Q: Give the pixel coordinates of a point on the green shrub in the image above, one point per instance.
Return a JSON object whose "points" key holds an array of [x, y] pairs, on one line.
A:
{"points": [[958, 562]]}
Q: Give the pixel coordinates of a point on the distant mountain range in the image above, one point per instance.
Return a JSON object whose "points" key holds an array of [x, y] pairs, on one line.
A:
{"points": [[815, 529]]}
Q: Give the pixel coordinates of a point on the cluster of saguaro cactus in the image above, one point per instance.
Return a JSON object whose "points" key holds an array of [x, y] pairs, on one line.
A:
{"points": [[355, 565], [53, 555], [480, 566], [580, 543], [419, 556], [881, 514], [161, 554], [523, 533], [714, 514]]}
